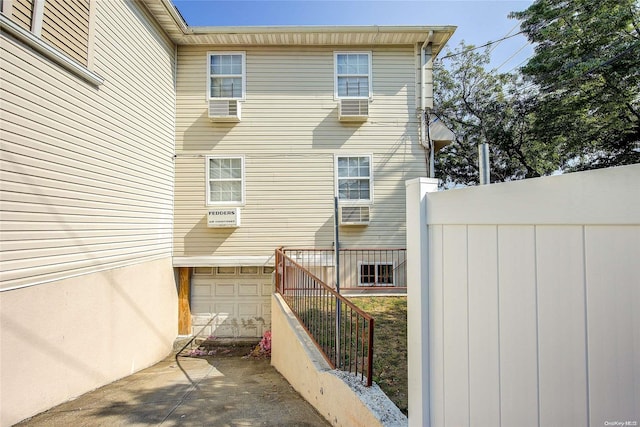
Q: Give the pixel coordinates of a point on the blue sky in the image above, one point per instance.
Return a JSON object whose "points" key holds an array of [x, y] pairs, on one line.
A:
{"points": [[478, 21]]}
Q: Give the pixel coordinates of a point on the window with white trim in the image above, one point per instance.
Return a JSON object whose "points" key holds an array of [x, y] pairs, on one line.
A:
{"points": [[226, 75], [225, 180], [354, 178], [376, 274], [352, 74]]}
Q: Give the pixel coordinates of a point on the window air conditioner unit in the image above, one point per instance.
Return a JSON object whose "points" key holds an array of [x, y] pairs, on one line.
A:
{"points": [[223, 218], [224, 110], [354, 110], [354, 215]]}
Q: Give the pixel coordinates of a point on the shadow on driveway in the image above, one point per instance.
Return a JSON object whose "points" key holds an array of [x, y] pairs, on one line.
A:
{"points": [[226, 389]]}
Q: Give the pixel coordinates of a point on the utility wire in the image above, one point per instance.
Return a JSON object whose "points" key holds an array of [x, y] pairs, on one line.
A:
{"points": [[513, 55], [451, 55], [564, 15], [609, 61], [498, 43]]}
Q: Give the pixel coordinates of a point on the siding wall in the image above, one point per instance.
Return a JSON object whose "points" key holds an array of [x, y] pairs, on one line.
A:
{"points": [[87, 171], [22, 13], [88, 292], [289, 134], [65, 25], [533, 289]]}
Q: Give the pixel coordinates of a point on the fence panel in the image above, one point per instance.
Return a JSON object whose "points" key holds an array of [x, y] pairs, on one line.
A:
{"points": [[523, 301]]}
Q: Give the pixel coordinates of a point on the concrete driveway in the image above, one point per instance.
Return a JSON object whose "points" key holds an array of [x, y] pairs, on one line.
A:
{"points": [[226, 389]]}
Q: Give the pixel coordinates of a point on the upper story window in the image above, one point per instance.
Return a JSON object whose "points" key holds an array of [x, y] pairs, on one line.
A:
{"points": [[226, 75], [354, 178], [352, 74], [225, 180]]}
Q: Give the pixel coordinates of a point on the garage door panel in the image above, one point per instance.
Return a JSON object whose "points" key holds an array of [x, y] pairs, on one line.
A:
{"points": [[239, 303], [249, 309], [225, 310], [201, 291], [248, 289], [201, 306], [225, 289]]}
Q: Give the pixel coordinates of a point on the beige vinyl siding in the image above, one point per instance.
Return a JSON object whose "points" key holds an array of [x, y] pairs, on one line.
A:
{"points": [[289, 135], [86, 173], [22, 13], [65, 25]]}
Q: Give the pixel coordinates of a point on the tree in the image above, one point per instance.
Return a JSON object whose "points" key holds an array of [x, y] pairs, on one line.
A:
{"points": [[586, 67], [485, 106]]}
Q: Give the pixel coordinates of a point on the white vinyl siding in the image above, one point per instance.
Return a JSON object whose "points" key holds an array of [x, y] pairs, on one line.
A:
{"points": [[22, 13], [289, 136], [65, 25], [80, 191]]}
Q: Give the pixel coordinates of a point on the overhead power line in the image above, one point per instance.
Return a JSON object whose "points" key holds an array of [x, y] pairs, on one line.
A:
{"points": [[498, 43], [451, 55], [513, 55]]}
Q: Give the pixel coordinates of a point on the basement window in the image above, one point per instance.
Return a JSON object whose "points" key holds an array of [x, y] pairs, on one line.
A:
{"points": [[376, 274]]}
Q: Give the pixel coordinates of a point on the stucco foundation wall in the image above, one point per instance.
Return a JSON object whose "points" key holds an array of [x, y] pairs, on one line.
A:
{"points": [[294, 355], [61, 339]]}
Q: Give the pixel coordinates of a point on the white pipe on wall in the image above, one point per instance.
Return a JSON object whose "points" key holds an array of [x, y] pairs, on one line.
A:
{"points": [[426, 74]]}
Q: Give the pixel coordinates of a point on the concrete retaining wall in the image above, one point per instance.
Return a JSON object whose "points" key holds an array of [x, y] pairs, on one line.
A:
{"points": [[337, 396], [64, 338]]}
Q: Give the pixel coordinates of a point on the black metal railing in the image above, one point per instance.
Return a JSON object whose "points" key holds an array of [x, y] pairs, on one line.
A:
{"points": [[340, 330], [359, 268]]}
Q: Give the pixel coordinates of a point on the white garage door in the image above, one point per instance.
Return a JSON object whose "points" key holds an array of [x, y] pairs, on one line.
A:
{"points": [[238, 299]]}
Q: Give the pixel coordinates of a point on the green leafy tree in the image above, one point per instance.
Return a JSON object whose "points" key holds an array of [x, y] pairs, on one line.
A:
{"points": [[483, 106], [586, 67]]}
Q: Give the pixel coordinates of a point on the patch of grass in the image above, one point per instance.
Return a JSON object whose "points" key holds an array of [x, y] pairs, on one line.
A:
{"points": [[389, 345]]}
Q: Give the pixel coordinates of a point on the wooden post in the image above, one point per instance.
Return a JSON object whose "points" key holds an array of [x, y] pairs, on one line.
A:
{"points": [[184, 303]]}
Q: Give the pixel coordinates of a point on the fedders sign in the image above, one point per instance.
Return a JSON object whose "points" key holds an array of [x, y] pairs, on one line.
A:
{"points": [[228, 217]]}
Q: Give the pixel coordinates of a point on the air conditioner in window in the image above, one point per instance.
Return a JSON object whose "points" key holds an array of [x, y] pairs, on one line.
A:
{"points": [[223, 218], [354, 110], [224, 110], [355, 215]]}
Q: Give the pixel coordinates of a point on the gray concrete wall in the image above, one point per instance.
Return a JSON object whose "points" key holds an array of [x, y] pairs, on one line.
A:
{"points": [[338, 396]]}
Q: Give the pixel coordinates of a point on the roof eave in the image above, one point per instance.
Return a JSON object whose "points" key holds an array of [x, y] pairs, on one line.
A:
{"points": [[180, 33]]}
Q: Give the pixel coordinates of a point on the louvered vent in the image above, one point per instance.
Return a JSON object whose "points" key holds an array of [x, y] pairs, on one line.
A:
{"points": [[356, 110], [224, 110], [354, 215]]}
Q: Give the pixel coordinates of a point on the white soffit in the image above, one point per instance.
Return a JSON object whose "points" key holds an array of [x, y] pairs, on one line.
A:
{"points": [[174, 25]]}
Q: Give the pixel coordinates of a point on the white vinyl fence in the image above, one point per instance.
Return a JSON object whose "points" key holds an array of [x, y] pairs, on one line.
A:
{"points": [[524, 302]]}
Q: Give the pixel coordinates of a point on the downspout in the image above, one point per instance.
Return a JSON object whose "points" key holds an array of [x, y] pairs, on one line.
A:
{"points": [[426, 72]]}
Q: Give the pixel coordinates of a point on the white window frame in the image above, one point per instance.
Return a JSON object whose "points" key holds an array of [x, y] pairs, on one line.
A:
{"points": [[375, 269], [243, 75], [353, 202], [335, 74], [207, 189]]}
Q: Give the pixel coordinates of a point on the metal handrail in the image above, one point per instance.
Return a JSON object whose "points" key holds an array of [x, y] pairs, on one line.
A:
{"points": [[341, 331], [322, 263]]}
